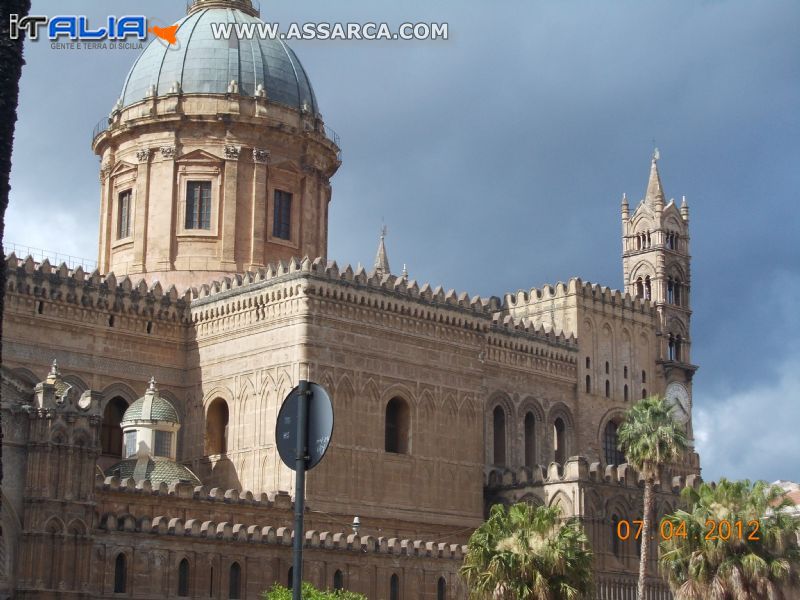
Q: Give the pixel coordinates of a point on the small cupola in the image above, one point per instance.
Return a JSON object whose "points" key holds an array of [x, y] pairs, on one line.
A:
{"points": [[150, 426]]}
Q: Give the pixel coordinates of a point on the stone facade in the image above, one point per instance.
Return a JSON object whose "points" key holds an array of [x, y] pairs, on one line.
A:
{"points": [[445, 403]]}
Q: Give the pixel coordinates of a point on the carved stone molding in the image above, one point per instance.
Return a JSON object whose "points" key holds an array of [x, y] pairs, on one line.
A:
{"points": [[232, 152], [260, 155], [143, 155], [167, 151]]}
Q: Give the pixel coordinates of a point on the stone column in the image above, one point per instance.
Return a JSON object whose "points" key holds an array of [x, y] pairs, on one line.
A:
{"points": [[260, 221], [141, 209], [229, 198]]}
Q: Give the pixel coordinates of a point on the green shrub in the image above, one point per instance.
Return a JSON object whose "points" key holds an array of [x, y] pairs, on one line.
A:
{"points": [[278, 592]]}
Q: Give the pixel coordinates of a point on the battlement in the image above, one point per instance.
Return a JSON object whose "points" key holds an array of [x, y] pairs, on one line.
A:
{"points": [[226, 531], [576, 287], [95, 291], [578, 469]]}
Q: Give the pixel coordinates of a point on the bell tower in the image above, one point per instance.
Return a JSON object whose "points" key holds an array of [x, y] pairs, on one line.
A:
{"points": [[656, 262]]}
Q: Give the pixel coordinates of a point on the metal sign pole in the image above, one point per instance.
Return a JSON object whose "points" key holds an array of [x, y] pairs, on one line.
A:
{"points": [[300, 488]]}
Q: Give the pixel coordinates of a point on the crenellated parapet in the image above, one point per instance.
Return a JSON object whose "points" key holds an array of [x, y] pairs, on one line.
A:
{"points": [[94, 298], [578, 470], [200, 529]]}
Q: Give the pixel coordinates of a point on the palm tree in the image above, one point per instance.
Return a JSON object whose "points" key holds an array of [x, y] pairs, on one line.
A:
{"points": [[528, 553], [11, 62], [651, 438], [751, 552]]}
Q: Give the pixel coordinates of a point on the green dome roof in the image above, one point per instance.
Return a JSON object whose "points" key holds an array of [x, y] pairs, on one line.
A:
{"points": [[157, 469], [150, 407]]}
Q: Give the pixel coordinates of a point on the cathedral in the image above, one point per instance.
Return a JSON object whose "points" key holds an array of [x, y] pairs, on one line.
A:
{"points": [[139, 401]]}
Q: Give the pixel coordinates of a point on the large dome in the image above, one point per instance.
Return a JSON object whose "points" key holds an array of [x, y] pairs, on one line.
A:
{"points": [[199, 63]]}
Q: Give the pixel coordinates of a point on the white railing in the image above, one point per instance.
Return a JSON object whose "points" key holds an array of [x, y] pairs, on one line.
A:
{"points": [[23, 251]]}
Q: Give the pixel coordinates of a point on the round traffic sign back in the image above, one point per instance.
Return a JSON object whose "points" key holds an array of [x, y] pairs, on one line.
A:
{"points": [[319, 426]]}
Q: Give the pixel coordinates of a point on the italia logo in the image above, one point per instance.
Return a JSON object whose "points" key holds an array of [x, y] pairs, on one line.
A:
{"points": [[77, 28]]}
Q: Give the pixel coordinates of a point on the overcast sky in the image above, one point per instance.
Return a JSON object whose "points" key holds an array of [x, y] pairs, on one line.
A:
{"points": [[498, 159]]}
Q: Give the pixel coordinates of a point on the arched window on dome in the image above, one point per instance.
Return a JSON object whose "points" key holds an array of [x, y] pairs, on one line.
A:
{"points": [[111, 432], [124, 214], [217, 427], [183, 578], [397, 428], [530, 440], [235, 581], [499, 431]]}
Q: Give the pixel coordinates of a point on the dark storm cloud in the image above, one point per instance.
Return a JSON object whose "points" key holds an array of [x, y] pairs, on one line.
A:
{"points": [[498, 159]]}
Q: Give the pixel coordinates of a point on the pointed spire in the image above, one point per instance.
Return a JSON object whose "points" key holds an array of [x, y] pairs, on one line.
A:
{"points": [[405, 271], [624, 207], [54, 372], [685, 209], [381, 260], [655, 192]]}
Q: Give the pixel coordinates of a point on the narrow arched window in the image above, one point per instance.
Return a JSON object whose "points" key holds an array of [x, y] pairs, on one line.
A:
{"points": [[394, 587], [290, 578], [588, 384], [120, 574], [183, 578], [614, 535], [611, 449], [530, 440], [559, 440], [111, 432], [671, 348], [670, 291], [217, 427], [644, 376], [678, 348], [608, 388], [625, 372], [499, 430], [608, 367], [644, 393], [235, 581], [397, 426], [441, 589], [338, 580], [647, 288], [678, 298], [588, 362], [639, 288], [625, 393]]}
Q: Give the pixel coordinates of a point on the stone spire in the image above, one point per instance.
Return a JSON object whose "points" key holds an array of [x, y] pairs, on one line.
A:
{"points": [[381, 260], [655, 192]]}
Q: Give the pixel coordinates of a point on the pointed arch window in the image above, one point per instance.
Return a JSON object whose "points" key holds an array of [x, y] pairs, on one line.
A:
{"points": [[613, 455], [235, 581], [338, 580], [183, 578], [608, 389], [394, 587], [625, 392], [217, 427], [111, 432], [441, 589], [120, 574], [647, 288], [639, 287], [499, 430], [559, 440], [671, 348], [397, 426]]}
